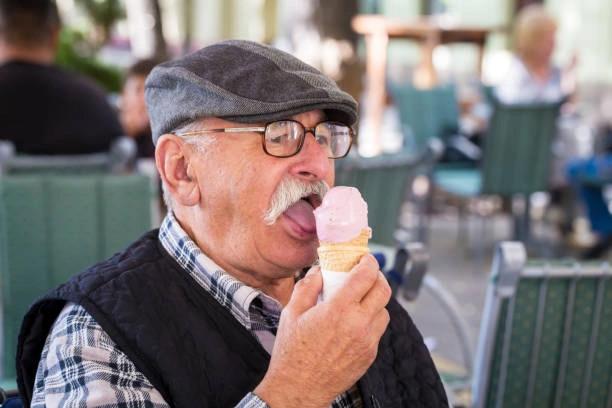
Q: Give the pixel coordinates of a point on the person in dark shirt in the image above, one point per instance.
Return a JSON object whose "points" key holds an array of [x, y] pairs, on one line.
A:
{"points": [[43, 108]]}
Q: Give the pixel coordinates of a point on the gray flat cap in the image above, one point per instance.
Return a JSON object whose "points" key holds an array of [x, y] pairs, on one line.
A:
{"points": [[241, 81]]}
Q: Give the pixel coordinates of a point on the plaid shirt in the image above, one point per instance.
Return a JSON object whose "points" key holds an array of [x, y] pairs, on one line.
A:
{"points": [[81, 365]]}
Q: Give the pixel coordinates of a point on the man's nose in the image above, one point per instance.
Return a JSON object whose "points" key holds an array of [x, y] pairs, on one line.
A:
{"points": [[313, 162]]}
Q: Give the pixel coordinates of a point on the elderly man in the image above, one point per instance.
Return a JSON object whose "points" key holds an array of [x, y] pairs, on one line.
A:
{"points": [[211, 310]]}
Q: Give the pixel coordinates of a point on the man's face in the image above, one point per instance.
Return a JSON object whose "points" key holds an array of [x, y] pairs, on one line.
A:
{"points": [[237, 180]]}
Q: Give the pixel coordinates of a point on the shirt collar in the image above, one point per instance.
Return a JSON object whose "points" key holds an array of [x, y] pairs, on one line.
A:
{"points": [[231, 293]]}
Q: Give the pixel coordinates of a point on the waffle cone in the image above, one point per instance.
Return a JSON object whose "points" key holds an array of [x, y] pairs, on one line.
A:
{"points": [[343, 256]]}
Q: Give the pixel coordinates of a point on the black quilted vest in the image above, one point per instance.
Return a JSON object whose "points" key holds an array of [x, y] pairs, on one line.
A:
{"points": [[191, 348]]}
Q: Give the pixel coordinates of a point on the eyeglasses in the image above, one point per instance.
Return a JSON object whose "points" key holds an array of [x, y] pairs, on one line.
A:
{"points": [[285, 138]]}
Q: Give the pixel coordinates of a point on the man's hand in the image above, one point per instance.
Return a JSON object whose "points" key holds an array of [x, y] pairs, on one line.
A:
{"points": [[321, 350]]}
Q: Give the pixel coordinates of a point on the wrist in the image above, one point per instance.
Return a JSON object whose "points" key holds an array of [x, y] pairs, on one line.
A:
{"points": [[279, 395]]}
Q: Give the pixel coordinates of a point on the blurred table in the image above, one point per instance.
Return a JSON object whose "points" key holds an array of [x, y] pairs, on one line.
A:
{"points": [[429, 32]]}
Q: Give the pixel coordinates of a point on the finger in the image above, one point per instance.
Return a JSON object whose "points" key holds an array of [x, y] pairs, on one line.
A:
{"points": [[360, 280], [378, 327], [379, 323], [378, 296], [306, 292]]}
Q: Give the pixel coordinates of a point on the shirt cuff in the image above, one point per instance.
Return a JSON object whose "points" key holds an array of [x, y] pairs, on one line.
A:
{"points": [[252, 401]]}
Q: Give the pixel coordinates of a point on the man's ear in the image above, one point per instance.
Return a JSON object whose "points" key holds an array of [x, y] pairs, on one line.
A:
{"points": [[173, 163]]}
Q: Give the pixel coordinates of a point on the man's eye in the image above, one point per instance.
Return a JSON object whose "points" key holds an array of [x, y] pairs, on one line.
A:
{"points": [[278, 139], [322, 140]]}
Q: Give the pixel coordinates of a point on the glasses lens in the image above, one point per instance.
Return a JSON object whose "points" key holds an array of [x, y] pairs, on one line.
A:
{"points": [[283, 138], [336, 137]]}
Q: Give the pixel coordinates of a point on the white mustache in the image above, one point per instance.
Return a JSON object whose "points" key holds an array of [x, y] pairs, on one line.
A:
{"points": [[289, 192]]}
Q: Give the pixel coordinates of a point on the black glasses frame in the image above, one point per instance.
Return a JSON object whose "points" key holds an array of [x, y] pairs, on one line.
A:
{"points": [[262, 131]]}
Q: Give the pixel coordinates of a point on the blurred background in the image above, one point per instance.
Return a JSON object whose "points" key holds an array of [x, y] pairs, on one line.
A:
{"points": [[118, 31]]}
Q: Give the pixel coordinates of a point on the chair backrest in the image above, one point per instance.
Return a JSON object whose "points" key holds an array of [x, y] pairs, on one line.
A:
{"points": [[120, 158], [517, 149], [425, 113], [54, 225], [546, 334], [383, 181]]}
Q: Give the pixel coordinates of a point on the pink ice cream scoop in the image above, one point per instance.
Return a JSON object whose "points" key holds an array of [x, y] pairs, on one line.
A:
{"points": [[342, 215]]}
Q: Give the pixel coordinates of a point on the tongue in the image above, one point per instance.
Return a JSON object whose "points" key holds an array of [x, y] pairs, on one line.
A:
{"points": [[302, 214]]}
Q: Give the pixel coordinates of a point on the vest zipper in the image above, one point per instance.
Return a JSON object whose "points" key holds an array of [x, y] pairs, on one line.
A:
{"points": [[374, 401]]}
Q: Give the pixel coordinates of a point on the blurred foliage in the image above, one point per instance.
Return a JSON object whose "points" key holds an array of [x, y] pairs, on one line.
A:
{"points": [[76, 54], [104, 14]]}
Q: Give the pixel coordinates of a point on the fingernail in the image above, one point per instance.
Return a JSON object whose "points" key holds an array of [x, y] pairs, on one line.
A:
{"points": [[314, 270], [370, 258]]}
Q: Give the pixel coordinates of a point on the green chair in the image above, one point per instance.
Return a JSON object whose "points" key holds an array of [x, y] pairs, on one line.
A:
{"points": [[425, 113], [58, 215], [516, 158], [384, 181], [546, 334], [53, 226]]}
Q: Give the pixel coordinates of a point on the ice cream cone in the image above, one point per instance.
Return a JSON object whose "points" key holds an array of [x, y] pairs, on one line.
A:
{"points": [[343, 256], [342, 228]]}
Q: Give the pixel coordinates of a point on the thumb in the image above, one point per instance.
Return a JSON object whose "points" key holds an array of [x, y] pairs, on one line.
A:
{"points": [[306, 292]]}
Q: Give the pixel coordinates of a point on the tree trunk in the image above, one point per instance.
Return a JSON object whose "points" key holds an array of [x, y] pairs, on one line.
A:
{"points": [[160, 46], [333, 19], [187, 25]]}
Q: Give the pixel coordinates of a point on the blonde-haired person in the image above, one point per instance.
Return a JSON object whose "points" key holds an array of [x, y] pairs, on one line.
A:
{"points": [[532, 77]]}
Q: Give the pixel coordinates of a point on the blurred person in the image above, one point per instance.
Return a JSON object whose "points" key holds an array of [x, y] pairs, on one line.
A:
{"points": [[133, 111], [213, 308], [134, 119], [589, 176], [43, 108], [532, 77], [474, 110], [464, 145]]}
